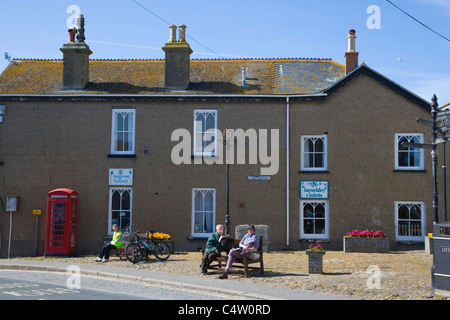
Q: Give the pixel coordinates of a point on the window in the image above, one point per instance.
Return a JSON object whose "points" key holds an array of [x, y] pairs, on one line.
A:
{"points": [[314, 219], [410, 221], [314, 153], [120, 208], [203, 212], [407, 158], [123, 131], [205, 125]]}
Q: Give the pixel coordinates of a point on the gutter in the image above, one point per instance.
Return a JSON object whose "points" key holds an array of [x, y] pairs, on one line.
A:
{"points": [[74, 96]]}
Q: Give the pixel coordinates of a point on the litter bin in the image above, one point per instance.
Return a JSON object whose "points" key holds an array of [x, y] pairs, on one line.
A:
{"points": [[440, 272]]}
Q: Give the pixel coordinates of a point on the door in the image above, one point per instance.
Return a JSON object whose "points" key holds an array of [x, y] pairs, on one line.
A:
{"points": [[57, 224]]}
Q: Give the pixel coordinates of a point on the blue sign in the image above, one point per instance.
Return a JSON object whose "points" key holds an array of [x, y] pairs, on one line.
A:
{"points": [[313, 189]]}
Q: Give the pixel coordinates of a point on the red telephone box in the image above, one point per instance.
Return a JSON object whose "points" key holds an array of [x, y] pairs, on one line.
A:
{"points": [[62, 214]]}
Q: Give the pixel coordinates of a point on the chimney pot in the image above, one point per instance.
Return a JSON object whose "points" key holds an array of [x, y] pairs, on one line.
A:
{"points": [[72, 33], [80, 28], [173, 33], [351, 56], [182, 34]]}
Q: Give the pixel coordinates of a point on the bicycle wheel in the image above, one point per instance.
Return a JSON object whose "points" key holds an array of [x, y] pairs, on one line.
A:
{"points": [[134, 252], [161, 250]]}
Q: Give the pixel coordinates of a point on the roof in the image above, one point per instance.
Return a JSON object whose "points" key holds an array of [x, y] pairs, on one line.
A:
{"points": [[207, 77], [364, 69]]}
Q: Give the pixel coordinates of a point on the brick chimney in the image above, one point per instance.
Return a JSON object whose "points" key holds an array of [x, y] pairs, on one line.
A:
{"points": [[351, 56], [76, 58], [177, 60]]}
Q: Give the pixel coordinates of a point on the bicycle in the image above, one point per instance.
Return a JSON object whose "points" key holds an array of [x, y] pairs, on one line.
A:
{"points": [[135, 250]]}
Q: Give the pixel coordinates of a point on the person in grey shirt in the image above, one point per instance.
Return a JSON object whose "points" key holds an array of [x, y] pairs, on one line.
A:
{"points": [[249, 243]]}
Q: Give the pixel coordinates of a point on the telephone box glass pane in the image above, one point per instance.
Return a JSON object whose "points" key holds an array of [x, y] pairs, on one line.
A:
{"points": [[57, 224]]}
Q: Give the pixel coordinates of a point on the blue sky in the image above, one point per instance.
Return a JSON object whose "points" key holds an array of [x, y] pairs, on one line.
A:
{"points": [[388, 41]]}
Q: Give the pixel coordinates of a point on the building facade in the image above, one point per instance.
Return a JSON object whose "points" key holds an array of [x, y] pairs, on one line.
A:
{"points": [[313, 147]]}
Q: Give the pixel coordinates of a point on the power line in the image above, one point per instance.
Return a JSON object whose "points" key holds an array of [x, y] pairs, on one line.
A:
{"points": [[168, 23], [418, 21]]}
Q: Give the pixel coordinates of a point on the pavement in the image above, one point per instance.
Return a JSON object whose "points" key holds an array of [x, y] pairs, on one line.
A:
{"points": [[234, 289]]}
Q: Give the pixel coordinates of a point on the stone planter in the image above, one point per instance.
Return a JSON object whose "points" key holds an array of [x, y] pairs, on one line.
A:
{"points": [[315, 261], [366, 245], [171, 244]]}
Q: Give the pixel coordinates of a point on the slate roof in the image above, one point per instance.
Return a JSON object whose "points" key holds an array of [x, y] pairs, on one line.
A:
{"points": [[207, 77], [364, 69]]}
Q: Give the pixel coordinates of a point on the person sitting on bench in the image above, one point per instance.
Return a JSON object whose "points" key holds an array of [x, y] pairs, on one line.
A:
{"points": [[249, 243], [213, 248], [117, 241]]}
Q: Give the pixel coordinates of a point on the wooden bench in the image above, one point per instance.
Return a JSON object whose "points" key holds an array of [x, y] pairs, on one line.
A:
{"points": [[244, 263], [121, 251]]}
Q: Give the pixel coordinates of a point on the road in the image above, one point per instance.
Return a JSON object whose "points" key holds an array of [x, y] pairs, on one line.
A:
{"points": [[30, 285]]}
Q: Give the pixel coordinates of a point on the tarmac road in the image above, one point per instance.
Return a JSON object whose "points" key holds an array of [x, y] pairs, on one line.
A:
{"points": [[32, 285]]}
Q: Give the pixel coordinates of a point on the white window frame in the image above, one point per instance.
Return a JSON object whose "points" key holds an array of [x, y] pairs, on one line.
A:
{"points": [[422, 221], [131, 132], [111, 191], [318, 236], [324, 138], [420, 136], [199, 133], [195, 232]]}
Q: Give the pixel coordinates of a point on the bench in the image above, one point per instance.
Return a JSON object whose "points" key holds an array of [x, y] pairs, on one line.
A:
{"points": [[244, 263], [120, 251]]}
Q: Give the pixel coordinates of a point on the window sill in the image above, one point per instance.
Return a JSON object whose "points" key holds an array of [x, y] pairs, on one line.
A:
{"points": [[192, 238], [203, 156], [314, 240], [409, 170], [318, 171], [113, 155]]}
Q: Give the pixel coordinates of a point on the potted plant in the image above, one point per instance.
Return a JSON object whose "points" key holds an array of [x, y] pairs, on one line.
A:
{"points": [[366, 241], [315, 258]]}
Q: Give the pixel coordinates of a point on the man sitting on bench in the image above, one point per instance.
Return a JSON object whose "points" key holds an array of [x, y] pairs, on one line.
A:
{"points": [[249, 243], [213, 248]]}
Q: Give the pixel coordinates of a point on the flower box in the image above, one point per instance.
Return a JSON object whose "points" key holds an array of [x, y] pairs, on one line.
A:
{"points": [[366, 245]]}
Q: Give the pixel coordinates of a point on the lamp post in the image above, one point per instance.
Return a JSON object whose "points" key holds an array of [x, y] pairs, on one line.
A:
{"points": [[227, 142], [434, 159]]}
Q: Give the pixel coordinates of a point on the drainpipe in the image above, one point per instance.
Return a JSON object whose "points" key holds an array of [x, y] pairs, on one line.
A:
{"points": [[287, 171]]}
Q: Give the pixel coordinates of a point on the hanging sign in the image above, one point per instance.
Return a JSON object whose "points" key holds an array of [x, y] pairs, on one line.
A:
{"points": [[120, 177], [313, 189]]}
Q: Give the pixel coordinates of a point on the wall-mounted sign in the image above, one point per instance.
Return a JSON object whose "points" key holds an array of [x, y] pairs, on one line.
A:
{"points": [[260, 178], [313, 189], [120, 177]]}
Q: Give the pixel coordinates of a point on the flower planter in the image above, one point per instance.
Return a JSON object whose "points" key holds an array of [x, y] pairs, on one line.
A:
{"points": [[171, 244], [315, 261], [366, 245]]}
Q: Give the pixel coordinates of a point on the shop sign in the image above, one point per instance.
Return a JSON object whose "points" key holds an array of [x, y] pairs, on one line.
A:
{"points": [[120, 177], [313, 189]]}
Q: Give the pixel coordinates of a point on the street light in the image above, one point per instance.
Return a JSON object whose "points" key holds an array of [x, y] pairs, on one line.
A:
{"points": [[228, 142]]}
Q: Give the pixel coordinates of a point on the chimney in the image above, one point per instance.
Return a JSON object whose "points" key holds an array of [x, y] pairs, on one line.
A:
{"points": [[177, 60], [76, 58], [351, 56]]}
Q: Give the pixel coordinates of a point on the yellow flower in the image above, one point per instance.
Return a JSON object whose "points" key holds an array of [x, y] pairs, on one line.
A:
{"points": [[160, 236]]}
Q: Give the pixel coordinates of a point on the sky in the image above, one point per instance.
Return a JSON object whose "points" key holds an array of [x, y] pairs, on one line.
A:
{"points": [[388, 41]]}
